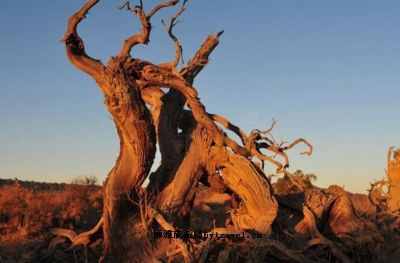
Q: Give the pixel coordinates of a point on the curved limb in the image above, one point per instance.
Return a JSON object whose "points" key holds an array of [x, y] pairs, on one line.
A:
{"points": [[75, 47], [300, 140], [143, 36], [256, 133], [230, 126]]}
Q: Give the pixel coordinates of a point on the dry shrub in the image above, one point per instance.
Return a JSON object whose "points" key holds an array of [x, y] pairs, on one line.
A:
{"points": [[27, 213], [296, 183]]}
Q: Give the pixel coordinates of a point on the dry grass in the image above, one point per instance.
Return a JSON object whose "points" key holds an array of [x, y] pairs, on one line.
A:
{"points": [[27, 214]]}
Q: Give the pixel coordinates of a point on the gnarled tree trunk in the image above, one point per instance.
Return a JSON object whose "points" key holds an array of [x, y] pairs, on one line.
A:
{"points": [[192, 142]]}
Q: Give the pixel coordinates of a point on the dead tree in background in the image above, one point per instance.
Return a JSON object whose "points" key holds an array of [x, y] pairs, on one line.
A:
{"points": [[193, 143], [393, 174], [385, 193]]}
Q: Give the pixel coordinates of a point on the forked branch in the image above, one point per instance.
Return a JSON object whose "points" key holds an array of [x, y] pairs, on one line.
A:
{"points": [[255, 142], [172, 23], [143, 36]]}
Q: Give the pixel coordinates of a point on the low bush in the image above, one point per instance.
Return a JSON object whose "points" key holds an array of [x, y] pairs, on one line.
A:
{"points": [[26, 213]]}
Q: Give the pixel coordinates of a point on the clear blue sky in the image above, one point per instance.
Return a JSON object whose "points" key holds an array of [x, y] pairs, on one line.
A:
{"points": [[326, 70]]}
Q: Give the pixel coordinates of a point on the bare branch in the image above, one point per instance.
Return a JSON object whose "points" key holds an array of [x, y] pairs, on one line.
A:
{"points": [[252, 147], [275, 149], [230, 126], [300, 140], [160, 6], [74, 44], [264, 157], [200, 59], [125, 4], [256, 132], [143, 36], [172, 23], [236, 147]]}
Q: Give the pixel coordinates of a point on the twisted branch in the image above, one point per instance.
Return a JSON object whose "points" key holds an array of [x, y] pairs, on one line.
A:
{"points": [[75, 46], [161, 6], [178, 48], [255, 142], [300, 140]]}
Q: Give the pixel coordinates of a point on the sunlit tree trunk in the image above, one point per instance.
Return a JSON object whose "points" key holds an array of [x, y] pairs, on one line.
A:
{"points": [[193, 145]]}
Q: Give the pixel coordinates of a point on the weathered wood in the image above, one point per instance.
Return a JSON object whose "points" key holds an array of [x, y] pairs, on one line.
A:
{"points": [[190, 142]]}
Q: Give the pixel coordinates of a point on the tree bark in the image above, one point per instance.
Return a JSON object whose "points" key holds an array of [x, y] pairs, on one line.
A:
{"points": [[137, 150]]}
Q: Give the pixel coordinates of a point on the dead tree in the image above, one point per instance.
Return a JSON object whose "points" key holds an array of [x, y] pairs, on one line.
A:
{"points": [[385, 193], [193, 143], [393, 174]]}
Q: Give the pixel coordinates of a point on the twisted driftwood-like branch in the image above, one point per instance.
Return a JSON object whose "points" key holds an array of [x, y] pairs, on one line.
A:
{"points": [[76, 240]]}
